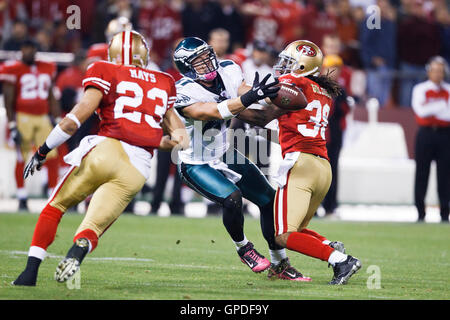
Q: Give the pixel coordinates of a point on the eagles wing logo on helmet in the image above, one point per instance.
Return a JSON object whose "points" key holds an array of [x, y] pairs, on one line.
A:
{"points": [[187, 51]]}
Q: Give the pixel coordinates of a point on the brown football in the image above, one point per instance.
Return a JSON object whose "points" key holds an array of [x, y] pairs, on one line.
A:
{"points": [[290, 97]]}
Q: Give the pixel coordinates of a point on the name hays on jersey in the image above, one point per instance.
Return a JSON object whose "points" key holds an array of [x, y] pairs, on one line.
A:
{"points": [[141, 74]]}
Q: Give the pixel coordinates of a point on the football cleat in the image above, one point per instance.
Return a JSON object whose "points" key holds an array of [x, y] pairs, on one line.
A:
{"points": [[285, 271], [344, 270], [66, 269], [337, 245], [256, 261], [26, 278]]}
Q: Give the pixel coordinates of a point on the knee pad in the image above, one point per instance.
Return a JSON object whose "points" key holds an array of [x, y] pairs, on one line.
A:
{"points": [[233, 201]]}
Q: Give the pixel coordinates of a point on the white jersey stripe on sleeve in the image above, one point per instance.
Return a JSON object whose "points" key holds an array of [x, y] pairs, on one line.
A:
{"points": [[101, 85], [106, 83]]}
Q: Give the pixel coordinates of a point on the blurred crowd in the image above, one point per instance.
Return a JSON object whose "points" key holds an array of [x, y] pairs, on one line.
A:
{"points": [[390, 42], [373, 48]]}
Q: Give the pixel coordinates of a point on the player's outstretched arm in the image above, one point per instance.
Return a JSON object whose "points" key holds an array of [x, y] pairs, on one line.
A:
{"points": [[65, 129], [175, 130], [261, 117], [231, 107]]}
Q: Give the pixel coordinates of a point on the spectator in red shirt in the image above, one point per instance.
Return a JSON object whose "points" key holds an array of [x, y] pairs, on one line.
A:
{"points": [[262, 23], [161, 25], [413, 53], [288, 13], [318, 19]]}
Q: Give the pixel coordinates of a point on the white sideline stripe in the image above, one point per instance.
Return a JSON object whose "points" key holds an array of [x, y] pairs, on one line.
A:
{"points": [[188, 266], [15, 252]]}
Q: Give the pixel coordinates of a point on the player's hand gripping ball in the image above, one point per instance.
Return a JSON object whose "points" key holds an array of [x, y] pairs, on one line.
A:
{"points": [[289, 97]]}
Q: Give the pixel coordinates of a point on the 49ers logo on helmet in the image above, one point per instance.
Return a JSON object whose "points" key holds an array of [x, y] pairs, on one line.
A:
{"points": [[306, 50]]}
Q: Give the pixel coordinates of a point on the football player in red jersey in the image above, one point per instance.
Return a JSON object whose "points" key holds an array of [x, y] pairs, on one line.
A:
{"points": [[135, 108], [304, 175], [27, 86]]}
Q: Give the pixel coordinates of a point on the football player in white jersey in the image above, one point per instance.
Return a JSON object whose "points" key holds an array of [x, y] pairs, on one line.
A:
{"points": [[209, 95]]}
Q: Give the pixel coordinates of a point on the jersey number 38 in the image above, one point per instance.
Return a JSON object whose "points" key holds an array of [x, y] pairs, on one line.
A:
{"points": [[319, 120]]}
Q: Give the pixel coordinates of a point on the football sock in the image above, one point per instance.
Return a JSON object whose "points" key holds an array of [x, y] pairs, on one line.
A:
{"points": [[79, 249], [277, 255], [240, 244], [33, 264], [336, 257], [20, 166], [90, 236], [45, 230], [308, 245], [315, 235]]}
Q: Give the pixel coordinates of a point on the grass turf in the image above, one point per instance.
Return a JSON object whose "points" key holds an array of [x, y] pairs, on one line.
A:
{"points": [[178, 258]]}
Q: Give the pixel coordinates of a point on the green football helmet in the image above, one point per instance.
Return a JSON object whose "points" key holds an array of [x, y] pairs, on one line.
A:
{"points": [[187, 51]]}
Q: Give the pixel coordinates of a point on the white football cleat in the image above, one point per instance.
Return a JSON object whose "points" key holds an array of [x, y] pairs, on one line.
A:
{"points": [[66, 269]]}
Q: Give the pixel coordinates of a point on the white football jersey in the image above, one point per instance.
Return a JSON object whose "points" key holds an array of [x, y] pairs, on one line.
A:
{"points": [[208, 138]]}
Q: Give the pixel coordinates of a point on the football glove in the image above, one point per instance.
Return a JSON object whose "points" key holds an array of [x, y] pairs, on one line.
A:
{"points": [[260, 90], [35, 163], [15, 134]]}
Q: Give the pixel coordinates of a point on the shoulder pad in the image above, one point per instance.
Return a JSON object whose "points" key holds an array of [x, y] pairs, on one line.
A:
{"points": [[226, 63], [184, 81]]}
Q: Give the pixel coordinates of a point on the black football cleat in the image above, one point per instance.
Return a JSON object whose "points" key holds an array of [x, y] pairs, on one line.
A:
{"points": [[285, 271], [26, 278], [344, 270]]}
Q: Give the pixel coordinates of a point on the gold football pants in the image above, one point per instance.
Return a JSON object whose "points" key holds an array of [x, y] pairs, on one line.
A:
{"points": [[34, 129], [106, 171], [307, 184]]}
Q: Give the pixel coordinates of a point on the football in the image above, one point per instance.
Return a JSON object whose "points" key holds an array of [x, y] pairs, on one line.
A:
{"points": [[290, 97]]}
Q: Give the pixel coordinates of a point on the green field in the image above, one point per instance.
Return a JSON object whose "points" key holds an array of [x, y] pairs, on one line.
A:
{"points": [[178, 258]]}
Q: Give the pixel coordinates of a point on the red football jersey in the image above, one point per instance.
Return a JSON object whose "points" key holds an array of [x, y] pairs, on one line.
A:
{"points": [[304, 130], [134, 102], [32, 83]]}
